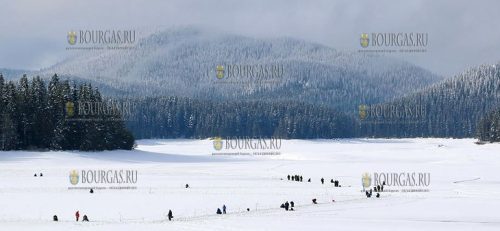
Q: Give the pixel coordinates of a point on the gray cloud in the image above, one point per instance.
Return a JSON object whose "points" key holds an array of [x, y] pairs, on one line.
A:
{"points": [[461, 33]]}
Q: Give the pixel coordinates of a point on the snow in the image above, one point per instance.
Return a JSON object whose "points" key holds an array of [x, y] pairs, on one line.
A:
{"points": [[463, 194]]}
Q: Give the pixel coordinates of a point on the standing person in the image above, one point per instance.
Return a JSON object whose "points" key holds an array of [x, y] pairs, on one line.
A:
{"points": [[287, 205], [170, 215], [293, 178], [224, 209], [292, 204], [288, 177], [300, 178], [322, 180], [77, 215]]}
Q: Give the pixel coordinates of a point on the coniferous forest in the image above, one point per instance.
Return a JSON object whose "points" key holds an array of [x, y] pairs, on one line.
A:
{"points": [[488, 128], [40, 116], [62, 115], [174, 117]]}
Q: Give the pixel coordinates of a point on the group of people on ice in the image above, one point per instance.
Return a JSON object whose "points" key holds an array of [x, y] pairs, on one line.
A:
{"points": [[299, 178], [288, 206], [77, 216], [223, 210], [377, 189], [335, 183], [295, 178]]}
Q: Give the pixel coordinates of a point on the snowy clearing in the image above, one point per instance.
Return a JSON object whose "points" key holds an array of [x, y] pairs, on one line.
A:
{"points": [[463, 194]]}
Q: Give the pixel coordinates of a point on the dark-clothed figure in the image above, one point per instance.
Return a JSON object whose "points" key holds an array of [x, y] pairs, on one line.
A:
{"points": [[85, 218], [218, 211], [322, 181], [170, 215], [54, 218], [224, 209], [77, 215]]}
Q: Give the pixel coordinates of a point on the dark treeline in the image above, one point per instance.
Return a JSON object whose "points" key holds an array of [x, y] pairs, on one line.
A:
{"points": [[33, 116], [36, 116], [173, 117], [489, 127]]}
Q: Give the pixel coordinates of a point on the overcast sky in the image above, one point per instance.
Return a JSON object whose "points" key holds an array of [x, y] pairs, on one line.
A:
{"points": [[461, 33]]}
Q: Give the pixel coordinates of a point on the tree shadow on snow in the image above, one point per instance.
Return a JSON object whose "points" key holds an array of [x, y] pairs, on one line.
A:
{"points": [[139, 156]]}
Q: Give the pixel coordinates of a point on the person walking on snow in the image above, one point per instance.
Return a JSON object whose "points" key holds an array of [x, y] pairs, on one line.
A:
{"points": [[322, 181], [77, 215], [224, 209], [170, 216]]}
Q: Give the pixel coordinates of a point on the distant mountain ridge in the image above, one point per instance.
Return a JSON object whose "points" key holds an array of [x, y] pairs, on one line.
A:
{"points": [[182, 62]]}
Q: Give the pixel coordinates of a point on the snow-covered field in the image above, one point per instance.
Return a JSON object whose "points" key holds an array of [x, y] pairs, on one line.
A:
{"points": [[464, 193]]}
